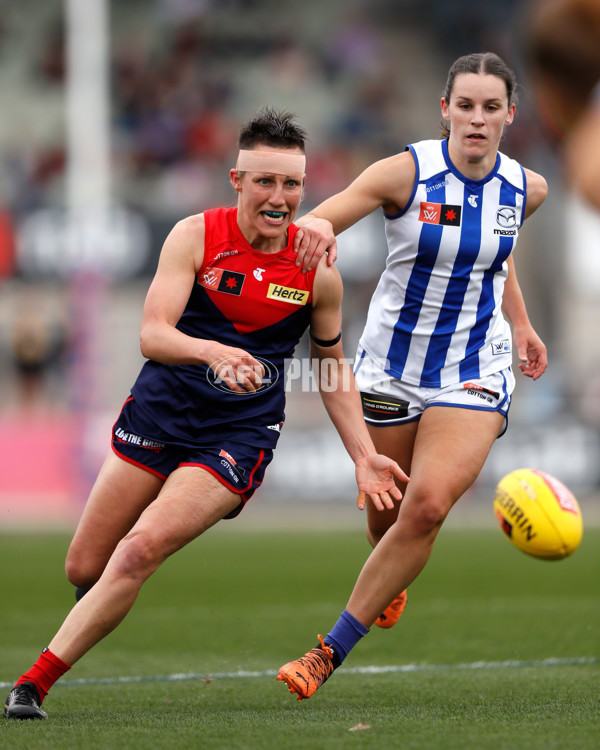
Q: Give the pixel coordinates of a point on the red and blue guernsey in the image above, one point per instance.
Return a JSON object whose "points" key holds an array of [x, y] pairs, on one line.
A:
{"points": [[259, 302]]}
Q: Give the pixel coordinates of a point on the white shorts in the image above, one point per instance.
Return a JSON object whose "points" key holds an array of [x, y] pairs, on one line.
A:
{"points": [[388, 401]]}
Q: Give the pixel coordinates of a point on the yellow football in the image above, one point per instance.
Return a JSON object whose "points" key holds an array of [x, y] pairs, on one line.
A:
{"points": [[538, 514]]}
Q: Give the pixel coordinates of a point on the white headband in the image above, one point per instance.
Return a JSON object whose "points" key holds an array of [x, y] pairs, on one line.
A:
{"points": [[272, 162]]}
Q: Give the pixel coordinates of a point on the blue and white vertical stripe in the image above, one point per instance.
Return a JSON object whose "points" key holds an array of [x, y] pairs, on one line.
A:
{"points": [[436, 317]]}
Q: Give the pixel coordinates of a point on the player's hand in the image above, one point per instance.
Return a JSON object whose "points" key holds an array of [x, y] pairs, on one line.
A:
{"points": [[532, 352], [375, 478], [237, 369], [312, 240]]}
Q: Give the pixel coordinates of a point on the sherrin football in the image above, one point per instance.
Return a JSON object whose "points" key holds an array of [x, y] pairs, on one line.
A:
{"points": [[538, 514]]}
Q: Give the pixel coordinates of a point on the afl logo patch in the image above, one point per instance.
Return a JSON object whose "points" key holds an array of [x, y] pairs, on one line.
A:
{"points": [[221, 280], [440, 213]]}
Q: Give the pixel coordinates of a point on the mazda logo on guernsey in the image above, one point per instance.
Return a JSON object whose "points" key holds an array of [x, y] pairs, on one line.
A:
{"points": [[506, 216], [230, 369]]}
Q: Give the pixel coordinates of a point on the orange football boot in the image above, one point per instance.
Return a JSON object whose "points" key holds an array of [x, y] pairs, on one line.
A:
{"points": [[309, 672], [391, 614]]}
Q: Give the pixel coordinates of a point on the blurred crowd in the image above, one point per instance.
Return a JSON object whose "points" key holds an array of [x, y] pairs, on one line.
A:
{"points": [[185, 73]]}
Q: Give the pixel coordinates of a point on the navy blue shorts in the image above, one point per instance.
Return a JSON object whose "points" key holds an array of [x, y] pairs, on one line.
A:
{"points": [[239, 466]]}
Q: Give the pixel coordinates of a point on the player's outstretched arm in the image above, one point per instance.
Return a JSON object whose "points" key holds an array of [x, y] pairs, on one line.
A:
{"points": [[375, 473], [386, 183]]}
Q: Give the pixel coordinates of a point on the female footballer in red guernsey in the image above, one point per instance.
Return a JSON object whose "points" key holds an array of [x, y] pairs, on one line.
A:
{"points": [[226, 308]]}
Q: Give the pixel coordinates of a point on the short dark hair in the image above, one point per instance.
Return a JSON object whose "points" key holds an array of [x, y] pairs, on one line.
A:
{"points": [[484, 63], [272, 127]]}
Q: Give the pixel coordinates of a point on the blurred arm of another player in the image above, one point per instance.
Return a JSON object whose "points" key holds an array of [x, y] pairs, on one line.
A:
{"points": [[374, 472], [563, 49], [582, 153], [180, 259]]}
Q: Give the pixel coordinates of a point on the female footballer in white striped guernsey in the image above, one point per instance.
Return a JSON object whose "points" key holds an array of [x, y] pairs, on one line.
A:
{"points": [[435, 359]]}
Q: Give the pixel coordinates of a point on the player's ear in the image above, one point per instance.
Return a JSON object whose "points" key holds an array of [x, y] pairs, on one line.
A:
{"points": [[511, 114], [236, 179], [444, 107]]}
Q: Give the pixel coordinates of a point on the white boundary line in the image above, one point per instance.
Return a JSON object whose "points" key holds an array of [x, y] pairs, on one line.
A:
{"points": [[392, 669]]}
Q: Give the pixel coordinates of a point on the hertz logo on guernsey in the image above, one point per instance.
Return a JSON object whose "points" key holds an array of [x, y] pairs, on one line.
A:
{"points": [[287, 294]]}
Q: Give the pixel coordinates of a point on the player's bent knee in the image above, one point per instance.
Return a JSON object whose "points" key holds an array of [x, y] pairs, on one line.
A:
{"points": [[82, 572], [427, 516], [374, 535], [137, 556]]}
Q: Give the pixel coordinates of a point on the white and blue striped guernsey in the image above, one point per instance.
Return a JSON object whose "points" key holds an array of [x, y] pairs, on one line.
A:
{"points": [[435, 317]]}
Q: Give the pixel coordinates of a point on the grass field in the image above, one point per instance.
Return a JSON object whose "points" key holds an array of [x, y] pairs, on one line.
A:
{"points": [[495, 649]]}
